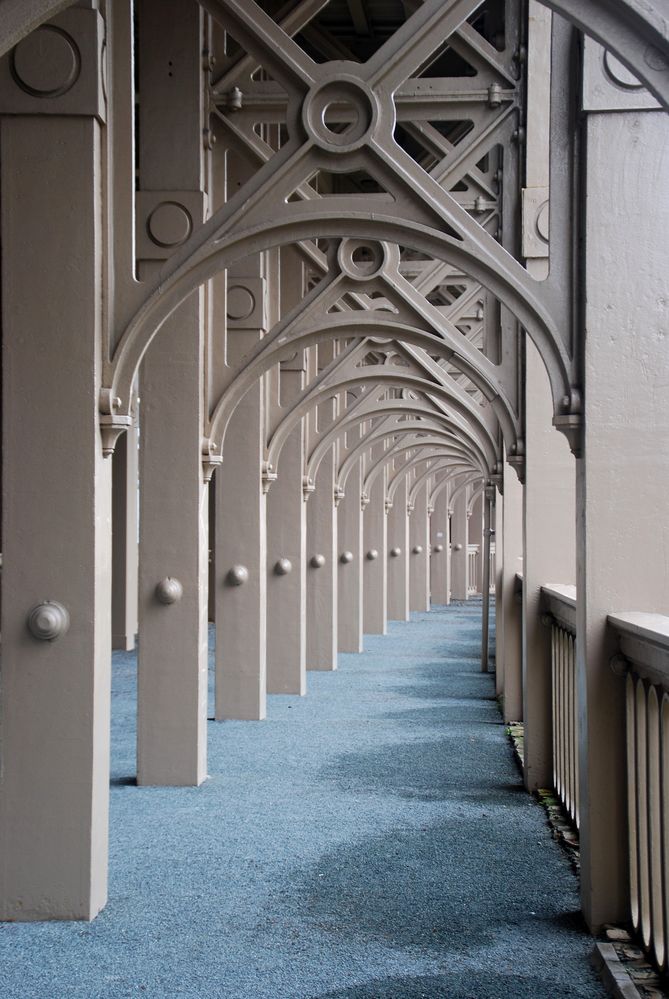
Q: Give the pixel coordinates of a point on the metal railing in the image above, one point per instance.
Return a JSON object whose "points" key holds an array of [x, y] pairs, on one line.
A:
{"points": [[644, 647], [560, 604], [472, 569]]}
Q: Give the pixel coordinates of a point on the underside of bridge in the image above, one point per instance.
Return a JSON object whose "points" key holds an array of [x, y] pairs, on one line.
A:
{"points": [[316, 314]]}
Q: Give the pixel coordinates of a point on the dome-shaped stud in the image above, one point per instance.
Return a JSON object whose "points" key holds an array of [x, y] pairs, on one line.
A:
{"points": [[48, 620], [346, 557], [417, 549], [437, 548], [372, 554], [317, 561], [169, 591], [395, 552], [457, 548], [237, 576], [282, 567]]}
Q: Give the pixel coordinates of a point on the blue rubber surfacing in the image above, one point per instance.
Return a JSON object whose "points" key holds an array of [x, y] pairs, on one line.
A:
{"points": [[369, 841]]}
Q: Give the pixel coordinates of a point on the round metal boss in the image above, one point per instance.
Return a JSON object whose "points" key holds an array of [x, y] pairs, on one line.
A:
{"points": [[237, 576], [339, 115], [48, 620]]}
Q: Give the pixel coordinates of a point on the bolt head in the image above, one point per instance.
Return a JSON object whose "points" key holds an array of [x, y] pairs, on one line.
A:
{"points": [[48, 620], [317, 561], [395, 552], [346, 557], [438, 548], [372, 554], [417, 549], [169, 591], [237, 575], [282, 567]]}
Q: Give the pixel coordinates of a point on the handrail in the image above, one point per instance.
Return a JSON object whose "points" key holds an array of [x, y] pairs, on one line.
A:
{"points": [[644, 640], [559, 600]]}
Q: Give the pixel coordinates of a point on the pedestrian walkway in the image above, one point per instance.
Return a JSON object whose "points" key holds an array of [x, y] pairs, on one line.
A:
{"points": [[369, 841]]}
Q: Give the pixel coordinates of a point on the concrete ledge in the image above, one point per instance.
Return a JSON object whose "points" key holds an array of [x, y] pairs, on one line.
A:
{"points": [[613, 973]]}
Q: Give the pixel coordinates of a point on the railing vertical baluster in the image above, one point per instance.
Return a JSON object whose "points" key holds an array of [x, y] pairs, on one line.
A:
{"points": [[554, 701], [642, 808], [635, 901], [664, 812], [655, 826]]}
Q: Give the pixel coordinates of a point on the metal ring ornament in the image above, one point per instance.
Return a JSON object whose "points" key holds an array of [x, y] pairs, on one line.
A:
{"points": [[48, 621]]}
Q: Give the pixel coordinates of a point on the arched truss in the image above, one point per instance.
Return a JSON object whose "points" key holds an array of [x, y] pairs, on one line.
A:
{"points": [[424, 216], [407, 440], [456, 492], [401, 448], [474, 496], [637, 33], [381, 331], [426, 476], [443, 483], [393, 408], [369, 378], [423, 454]]}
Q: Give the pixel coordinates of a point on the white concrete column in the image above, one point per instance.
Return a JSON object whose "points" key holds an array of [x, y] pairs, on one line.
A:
{"points": [[398, 555], [549, 557], [241, 551], [509, 537], [56, 509], [350, 543], [322, 567], [375, 558], [287, 549], [623, 477], [125, 500], [440, 552], [475, 535], [459, 542], [419, 553], [172, 659]]}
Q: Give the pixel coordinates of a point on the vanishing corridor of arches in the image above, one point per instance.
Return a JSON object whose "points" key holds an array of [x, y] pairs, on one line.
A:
{"points": [[317, 314]]}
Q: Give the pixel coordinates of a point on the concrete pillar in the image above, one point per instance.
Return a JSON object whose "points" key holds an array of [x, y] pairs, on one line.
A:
{"points": [[398, 555], [623, 478], [459, 542], [56, 510], [419, 557], [350, 556], [509, 536], [125, 498], [475, 535], [287, 540], [241, 551], [375, 559], [322, 572], [440, 553], [172, 660], [549, 557]]}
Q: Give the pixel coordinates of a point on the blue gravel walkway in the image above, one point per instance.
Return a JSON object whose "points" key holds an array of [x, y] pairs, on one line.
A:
{"points": [[369, 841]]}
